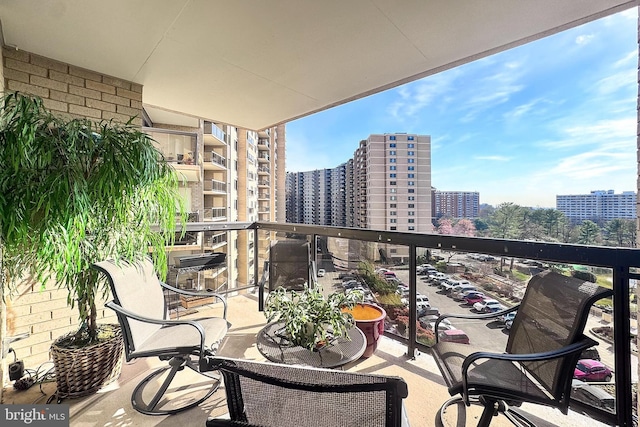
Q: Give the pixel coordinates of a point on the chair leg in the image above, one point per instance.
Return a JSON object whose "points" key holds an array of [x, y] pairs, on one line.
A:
{"points": [[491, 408], [176, 364], [462, 412]]}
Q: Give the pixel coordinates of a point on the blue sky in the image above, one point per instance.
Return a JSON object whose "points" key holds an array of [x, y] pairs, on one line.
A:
{"points": [[557, 116]]}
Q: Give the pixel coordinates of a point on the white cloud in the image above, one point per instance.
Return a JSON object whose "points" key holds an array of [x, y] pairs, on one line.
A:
{"points": [[616, 82], [592, 164], [493, 158], [629, 60], [584, 39], [416, 96]]}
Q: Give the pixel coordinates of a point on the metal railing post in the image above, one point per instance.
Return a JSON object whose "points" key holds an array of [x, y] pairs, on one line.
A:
{"points": [[413, 308]]}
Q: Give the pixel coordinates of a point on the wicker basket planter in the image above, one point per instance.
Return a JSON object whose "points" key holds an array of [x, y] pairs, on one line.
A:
{"points": [[83, 371]]}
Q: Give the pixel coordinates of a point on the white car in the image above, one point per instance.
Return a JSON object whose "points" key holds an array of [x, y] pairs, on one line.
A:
{"points": [[321, 272], [488, 306], [420, 299]]}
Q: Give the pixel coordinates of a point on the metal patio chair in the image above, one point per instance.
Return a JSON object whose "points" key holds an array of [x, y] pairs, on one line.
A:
{"points": [[290, 265], [139, 303], [277, 395], [543, 347]]}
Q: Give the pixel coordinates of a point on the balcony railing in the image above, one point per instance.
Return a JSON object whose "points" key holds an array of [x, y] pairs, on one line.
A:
{"points": [[213, 185], [215, 158], [214, 213], [358, 244]]}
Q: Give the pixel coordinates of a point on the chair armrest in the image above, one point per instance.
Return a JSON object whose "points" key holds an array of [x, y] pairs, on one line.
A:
{"points": [[165, 322], [198, 294], [576, 347]]}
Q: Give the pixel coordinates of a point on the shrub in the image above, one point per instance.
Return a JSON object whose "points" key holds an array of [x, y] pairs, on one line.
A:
{"points": [[390, 300]]}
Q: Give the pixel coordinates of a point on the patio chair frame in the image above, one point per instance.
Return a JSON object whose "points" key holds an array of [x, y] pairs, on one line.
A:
{"points": [[542, 390], [190, 353], [245, 381]]}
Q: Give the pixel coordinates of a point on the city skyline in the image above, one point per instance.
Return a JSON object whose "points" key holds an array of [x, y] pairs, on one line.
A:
{"points": [[556, 116]]}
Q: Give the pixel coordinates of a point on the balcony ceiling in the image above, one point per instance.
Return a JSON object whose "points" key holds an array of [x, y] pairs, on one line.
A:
{"points": [[255, 64]]}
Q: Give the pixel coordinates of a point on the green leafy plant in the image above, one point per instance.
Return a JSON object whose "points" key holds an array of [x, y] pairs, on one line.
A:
{"points": [[309, 318], [73, 192]]}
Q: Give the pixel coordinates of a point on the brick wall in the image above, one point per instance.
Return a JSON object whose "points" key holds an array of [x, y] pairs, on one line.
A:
{"points": [[76, 92], [70, 90]]}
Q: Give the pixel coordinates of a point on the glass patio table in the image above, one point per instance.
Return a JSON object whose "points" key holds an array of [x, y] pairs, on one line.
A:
{"points": [[342, 351]]}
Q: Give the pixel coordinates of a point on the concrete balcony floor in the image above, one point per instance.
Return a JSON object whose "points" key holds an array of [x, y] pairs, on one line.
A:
{"points": [[111, 406]]}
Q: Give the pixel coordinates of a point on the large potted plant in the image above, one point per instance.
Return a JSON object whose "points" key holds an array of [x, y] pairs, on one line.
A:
{"points": [[309, 319], [73, 192]]}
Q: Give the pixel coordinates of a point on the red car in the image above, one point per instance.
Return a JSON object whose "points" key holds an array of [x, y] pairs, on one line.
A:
{"points": [[473, 298], [591, 370]]}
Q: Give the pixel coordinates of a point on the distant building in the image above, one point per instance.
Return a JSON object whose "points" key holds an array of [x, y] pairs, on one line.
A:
{"points": [[455, 204], [598, 206], [386, 186]]}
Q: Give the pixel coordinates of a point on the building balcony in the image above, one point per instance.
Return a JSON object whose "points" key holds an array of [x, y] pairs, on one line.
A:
{"points": [[213, 135], [214, 214], [214, 186], [263, 158], [214, 161], [403, 354]]}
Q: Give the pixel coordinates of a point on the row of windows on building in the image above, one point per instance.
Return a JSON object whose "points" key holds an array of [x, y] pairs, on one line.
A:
{"points": [[393, 138], [409, 153], [409, 175], [409, 168]]}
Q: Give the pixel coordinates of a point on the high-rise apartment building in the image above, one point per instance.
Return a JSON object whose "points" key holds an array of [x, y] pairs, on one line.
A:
{"points": [[228, 174], [386, 186], [455, 204], [598, 206]]}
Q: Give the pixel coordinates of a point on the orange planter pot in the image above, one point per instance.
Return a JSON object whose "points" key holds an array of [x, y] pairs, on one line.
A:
{"points": [[370, 320]]}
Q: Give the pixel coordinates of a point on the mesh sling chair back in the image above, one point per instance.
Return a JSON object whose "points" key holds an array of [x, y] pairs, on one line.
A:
{"points": [[139, 303], [290, 265], [544, 344], [277, 395]]}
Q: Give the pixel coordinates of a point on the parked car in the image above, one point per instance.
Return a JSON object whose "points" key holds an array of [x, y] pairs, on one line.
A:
{"points": [[442, 326], [488, 306], [508, 324], [473, 297], [592, 395], [591, 370], [457, 285], [321, 272], [590, 353], [459, 292], [447, 284], [506, 317], [420, 299], [454, 335], [428, 311]]}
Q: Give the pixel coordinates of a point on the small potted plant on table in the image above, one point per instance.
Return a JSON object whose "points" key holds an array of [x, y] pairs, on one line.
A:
{"points": [[311, 320]]}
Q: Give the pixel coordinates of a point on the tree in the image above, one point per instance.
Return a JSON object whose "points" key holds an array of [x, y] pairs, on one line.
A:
{"points": [[615, 231], [506, 220], [589, 233], [445, 226], [505, 223], [464, 227]]}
